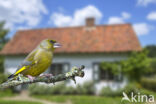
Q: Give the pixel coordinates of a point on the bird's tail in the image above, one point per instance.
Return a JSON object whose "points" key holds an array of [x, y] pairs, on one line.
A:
{"points": [[11, 76]]}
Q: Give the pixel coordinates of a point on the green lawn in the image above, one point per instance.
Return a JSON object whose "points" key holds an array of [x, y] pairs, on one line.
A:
{"points": [[6, 93], [82, 99], [18, 102], [75, 99]]}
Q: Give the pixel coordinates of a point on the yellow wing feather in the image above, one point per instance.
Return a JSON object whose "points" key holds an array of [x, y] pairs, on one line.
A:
{"points": [[20, 70]]}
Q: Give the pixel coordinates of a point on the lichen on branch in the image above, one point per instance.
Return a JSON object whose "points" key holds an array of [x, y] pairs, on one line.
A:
{"points": [[75, 72]]}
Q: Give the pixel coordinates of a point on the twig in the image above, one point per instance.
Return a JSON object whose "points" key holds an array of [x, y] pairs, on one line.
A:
{"points": [[47, 79]]}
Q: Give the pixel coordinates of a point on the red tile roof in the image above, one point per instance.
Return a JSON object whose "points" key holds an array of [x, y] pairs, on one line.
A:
{"points": [[103, 38]]}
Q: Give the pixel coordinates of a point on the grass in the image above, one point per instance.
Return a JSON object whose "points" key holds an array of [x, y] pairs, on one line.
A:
{"points": [[6, 93], [9, 93], [89, 99], [18, 102], [82, 99]]}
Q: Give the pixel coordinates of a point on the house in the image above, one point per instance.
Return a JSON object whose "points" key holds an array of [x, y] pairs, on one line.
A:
{"points": [[87, 45]]}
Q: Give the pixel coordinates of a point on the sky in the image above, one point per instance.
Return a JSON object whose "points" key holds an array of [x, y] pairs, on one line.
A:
{"points": [[32, 14]]}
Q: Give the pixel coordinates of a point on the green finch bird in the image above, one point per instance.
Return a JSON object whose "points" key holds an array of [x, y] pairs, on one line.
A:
{"points": [[38, 60]]}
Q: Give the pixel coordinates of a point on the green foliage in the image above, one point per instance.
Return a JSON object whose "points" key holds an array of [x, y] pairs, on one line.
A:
{"points": [[107, 91], [137, 65], [131, 87], [85, 89], [81, 99], [3, 40], [3, 78], [152, 50], [149, 83], [69, 90], [44, 89], [1, 64], [6, 93], [113, 66], [153, 66], [3, 33]]}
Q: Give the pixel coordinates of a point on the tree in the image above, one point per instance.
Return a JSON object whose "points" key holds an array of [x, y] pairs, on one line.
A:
{"points": [[3, 40], [152, 50], [137, 65]]}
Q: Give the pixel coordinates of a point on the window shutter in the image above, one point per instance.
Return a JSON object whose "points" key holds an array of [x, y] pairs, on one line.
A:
{"points": [[96, 72]]}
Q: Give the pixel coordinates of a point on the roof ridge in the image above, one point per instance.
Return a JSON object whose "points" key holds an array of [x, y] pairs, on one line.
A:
{"points": [[69, 27]]}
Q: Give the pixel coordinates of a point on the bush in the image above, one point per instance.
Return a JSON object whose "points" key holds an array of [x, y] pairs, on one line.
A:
{"points": [[3, 78], [87, 88], [131, 87], [153, 65], [39, 89], [69, 90], [149, 83], [1, 64], [107, 91]]}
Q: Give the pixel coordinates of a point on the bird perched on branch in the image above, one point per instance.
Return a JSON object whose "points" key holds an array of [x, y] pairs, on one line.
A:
{"points": [[38, 60]]}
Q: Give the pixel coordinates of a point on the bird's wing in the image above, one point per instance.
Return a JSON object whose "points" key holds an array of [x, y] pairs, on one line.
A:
{"points": [[31, 55], [23, 66], [29, 61]]}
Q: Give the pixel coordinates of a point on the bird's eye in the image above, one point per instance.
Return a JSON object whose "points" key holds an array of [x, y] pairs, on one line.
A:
{"points": [[52, 41]]}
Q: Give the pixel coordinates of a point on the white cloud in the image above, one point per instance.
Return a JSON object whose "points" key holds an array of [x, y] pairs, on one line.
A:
{"points": [[17, 12], [151, 16], [142, 28], [125, 15], [61, 20], [115, 20], [78, 18], [146, 2], [119, 20]]}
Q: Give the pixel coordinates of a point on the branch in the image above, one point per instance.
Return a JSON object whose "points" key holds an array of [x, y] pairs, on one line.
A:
{"points": [[47, 79]]}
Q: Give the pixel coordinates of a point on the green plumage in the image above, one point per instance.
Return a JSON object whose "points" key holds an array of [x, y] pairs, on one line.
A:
{"points": [[38, 60]]}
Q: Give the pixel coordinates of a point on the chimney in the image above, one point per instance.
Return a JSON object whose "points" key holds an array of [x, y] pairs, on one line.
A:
{"points": [[90, 22]]}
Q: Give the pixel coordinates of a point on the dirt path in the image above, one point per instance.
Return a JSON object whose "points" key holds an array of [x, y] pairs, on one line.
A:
{"points": [[24, 96]]}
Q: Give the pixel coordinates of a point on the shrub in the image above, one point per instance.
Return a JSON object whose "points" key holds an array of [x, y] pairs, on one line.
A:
{"points": [[57, 89], [131, 87], [1, 64], [149, 83], [47, 90], [3, 78], [107, 91], [87, 88], [69, 90], [153, 65]]}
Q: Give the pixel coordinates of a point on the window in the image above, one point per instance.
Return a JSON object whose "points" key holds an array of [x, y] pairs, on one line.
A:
{"points": [[58, 68], [106, 74]]}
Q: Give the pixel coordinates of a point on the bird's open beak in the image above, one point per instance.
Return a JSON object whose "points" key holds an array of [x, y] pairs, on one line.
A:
{"points": [[57, 45]]}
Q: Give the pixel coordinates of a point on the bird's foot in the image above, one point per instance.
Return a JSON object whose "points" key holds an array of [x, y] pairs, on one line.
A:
{"points": [[47, 75], [31, 78]]}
